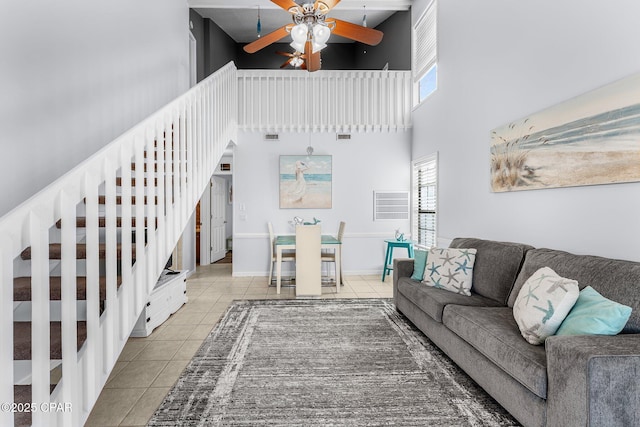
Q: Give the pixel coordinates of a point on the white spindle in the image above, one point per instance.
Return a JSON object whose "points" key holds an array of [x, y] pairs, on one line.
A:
{"points": [[70, 367], [151, 140], [184, 199], [141, 227], [6, 326], [126, 297], [93, 353], [158, 201], [40, 324], [111, 264]]}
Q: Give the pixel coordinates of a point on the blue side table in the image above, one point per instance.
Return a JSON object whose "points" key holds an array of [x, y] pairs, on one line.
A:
{"points": [[388, 259]]}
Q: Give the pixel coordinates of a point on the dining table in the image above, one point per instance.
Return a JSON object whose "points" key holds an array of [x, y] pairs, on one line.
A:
{"points": [[288, 241]]}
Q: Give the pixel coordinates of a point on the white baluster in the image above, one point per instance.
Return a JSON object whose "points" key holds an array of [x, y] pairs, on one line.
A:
{"points": [[70, 382]]}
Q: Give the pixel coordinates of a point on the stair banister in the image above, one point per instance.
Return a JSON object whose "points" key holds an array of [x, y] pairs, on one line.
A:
{"points": [[184, 141]]}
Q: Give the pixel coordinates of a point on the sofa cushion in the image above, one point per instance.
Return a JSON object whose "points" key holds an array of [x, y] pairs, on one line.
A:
{"points": [[496, 266], [450, 269], [433, 300], [543, 303], [594, 314], [616, 280], [419, 262], [494, 333]]}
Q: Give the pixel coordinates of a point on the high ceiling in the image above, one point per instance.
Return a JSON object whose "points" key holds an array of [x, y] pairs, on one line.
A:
{"points": [[238, 18]]}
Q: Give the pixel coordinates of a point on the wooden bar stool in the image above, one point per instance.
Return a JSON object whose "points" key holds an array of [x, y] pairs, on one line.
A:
{"points": [[388, 259]]}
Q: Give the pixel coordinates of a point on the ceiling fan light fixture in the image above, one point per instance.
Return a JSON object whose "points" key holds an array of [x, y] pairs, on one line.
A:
{"points": [[299, 34], [297, 46], [317, 47], [321, 34], [296, 61]]}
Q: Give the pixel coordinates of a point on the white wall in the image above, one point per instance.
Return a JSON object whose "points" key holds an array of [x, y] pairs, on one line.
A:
{"points": [[500, 60], [76, 74], [367, 162]]}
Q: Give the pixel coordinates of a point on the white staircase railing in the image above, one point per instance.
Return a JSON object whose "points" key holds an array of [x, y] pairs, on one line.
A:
{"points": [[183, 143]]}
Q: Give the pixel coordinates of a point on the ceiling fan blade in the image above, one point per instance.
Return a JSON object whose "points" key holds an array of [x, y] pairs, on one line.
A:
{"points": [[291, 55], [288, 5], [313, 59], [325, 5], [266, 40], [287, 62], [356, 32]]}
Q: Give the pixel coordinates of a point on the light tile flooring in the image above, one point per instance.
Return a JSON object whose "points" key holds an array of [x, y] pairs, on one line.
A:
{"points": [[148, 367]]}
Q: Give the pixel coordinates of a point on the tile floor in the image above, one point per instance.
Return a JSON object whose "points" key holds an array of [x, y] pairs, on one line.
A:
{"points": [[148, 367]]}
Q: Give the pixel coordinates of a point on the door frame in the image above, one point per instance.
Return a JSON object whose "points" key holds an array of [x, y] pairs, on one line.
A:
{"points": [[205, 226]]}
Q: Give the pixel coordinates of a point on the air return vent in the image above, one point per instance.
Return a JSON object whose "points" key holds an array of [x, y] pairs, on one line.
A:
{"points": [[271, 137], [340, 136], [390, 205]]}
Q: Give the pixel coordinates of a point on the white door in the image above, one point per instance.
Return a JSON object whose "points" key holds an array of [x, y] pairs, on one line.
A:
{"points": [[218, 218]]}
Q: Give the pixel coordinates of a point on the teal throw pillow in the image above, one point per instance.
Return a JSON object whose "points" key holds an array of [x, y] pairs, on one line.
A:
{"points": [[594, 314], [419, 262]]}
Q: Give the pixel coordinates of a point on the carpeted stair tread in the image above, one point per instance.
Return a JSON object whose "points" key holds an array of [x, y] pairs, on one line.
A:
{"points": [[22, 339], [22, 288], [55, 251], [133, 182], [102, 200], [22, 394], [81, 222], [155, 167]]}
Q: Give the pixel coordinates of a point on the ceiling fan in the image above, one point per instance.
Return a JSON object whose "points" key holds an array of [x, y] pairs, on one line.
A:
{"points": [[311, 30], [296, 59]]}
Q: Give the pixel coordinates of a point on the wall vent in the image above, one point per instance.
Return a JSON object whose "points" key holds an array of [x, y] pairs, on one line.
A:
{"points": [[390, 205], [271, 137], [340, 136], [225, 167]]}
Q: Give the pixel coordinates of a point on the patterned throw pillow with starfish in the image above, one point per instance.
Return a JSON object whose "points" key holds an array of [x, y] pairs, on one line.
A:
{"points": [[450, 269], [543, 303]]}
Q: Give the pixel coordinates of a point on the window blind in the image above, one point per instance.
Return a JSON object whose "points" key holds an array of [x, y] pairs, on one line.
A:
{"points": [[425, 43], [425, 201]]}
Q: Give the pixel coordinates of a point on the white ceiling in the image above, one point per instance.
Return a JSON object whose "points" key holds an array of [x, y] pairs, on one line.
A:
{"points": [[238, 18]]}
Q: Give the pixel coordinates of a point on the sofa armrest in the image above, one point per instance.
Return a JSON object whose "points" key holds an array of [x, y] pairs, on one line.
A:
{"points": [[402, 267], [593, 380]]}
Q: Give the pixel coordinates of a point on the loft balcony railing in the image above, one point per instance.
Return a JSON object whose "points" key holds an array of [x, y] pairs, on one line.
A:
{"points": [[324, 101]]}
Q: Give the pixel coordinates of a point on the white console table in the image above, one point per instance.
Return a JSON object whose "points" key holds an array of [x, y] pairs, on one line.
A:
{"points": [[169, 294]]}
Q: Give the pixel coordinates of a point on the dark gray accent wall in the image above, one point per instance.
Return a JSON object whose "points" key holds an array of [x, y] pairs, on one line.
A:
{"points": [[395, 47], [198, 33], [219, 47], [337, 56]]}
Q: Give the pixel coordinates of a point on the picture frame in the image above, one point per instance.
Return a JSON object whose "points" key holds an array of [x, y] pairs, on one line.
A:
{"points": [[306, 182], [590, 139]]}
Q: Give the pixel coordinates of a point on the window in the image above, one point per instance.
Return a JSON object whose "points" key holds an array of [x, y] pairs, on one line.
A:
{"points": [[425, 201], [425, 53]]}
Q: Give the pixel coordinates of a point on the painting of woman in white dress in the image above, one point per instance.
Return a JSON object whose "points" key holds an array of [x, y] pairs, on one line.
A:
{"points": [[305, 182]]}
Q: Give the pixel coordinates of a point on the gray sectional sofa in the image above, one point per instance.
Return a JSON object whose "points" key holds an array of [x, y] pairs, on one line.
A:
{"points": [[568, 381]]}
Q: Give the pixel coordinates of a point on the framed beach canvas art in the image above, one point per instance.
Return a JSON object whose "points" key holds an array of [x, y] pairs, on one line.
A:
{"points": [[591, 139], [305, 182]]}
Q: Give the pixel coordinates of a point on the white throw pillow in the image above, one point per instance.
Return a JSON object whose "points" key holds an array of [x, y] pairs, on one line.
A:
{"points": [[543, 303], [450, 269]]}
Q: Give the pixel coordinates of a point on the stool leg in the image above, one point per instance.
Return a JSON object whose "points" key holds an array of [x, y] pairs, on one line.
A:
{"points": [[410, 250]]}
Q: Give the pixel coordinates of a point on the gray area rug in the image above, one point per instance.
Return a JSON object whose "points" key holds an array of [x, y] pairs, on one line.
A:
{"points": [[349, 362]]}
